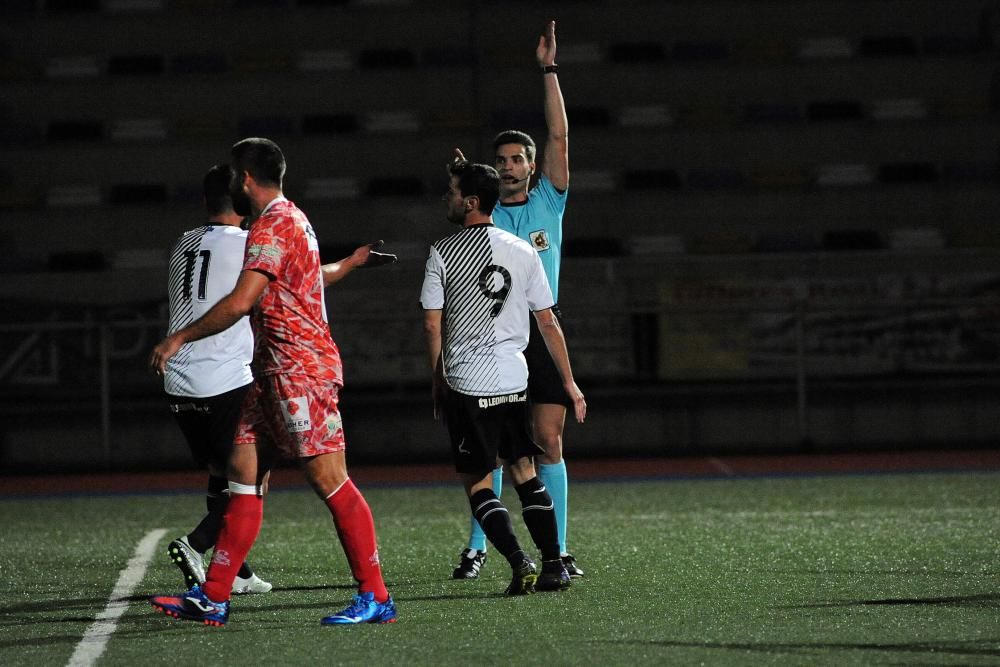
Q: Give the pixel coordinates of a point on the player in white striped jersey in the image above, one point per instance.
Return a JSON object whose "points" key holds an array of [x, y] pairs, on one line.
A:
{"points": [[479, 286], [207, 380]]}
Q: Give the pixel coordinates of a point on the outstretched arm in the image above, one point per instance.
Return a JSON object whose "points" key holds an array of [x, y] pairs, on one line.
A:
{"points": [[224, 314], [555, 161], [555, 341], [363, 257]]}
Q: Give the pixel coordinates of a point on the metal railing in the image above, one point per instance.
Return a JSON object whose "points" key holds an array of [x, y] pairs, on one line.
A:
{"points": [[99, 361]]}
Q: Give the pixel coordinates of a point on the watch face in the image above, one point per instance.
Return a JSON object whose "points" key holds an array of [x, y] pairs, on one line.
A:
{"points": [[539, 240]]}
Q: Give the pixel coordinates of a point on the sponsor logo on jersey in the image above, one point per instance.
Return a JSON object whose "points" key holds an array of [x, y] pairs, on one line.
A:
{"points": [[539, 240], [256, 250], [502, 400], [296, 414]]}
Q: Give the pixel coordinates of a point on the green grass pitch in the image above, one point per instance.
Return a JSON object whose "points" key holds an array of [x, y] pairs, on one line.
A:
{"points": [[827, 570]]}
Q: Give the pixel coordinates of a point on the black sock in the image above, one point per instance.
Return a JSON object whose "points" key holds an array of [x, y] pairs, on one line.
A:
{"points": [[245, 571], [539, 517], [495, 520], [203, 537]]}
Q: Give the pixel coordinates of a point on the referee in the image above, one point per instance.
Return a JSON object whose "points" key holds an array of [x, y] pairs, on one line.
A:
{"points": [[479, 286]]}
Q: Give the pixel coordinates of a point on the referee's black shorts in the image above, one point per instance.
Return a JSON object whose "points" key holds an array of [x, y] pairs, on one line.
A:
{"points": [[209, 424], [544, 383], [482, 428]]}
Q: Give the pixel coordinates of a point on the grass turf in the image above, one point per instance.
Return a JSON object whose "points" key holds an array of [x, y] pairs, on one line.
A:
{"points": [[834, 570]]}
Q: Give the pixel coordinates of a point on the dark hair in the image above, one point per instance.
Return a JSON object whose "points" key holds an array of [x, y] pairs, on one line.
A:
{"points": [[516, 137], [477, 180], [215, 186], [261, 158]]}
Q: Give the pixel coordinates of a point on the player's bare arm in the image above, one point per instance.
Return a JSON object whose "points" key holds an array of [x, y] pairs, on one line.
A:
{"points": [[555, 161], [432, 331], [555, 341], [366, 256], [224, 314]]}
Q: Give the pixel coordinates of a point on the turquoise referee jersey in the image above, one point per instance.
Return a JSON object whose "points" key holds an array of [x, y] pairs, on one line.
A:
{"points": [[539, 222]]}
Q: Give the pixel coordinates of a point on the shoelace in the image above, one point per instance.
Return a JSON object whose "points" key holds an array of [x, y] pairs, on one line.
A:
{"points": [[358, 606]]}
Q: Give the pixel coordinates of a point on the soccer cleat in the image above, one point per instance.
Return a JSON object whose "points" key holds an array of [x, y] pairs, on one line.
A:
{"points": [[469, 564], [252, 584], [569, 561], [188, 561], [553, 580], [192, 605], [364, 609], [523, 580]]}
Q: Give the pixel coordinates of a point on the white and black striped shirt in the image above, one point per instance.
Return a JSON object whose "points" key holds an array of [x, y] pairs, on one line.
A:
{"points": [[486, 281], [204, 266]]}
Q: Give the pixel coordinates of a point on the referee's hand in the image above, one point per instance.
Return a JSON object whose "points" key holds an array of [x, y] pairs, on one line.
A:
{"points": [[579, 404]]}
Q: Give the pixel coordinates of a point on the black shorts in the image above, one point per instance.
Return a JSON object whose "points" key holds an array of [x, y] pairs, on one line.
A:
{"points": [[544, 383], [482, 428], [209, 424]]}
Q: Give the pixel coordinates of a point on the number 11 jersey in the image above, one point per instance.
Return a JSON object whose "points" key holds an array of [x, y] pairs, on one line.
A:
{"points": [[204, 266]]}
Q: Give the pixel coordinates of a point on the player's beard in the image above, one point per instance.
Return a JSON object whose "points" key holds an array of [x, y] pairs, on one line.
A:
{"points": [[241, 203], [456, 217]]}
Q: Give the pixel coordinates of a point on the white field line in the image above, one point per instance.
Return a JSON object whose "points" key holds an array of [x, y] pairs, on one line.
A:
{"points": [[96, 638]]}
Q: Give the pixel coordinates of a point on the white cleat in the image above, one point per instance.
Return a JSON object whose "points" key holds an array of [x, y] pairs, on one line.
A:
{"points": [[254, 584]]}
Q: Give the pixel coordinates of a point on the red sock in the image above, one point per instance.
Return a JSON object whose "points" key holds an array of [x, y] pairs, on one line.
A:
{"points": [[356, 529], [240, 526]]}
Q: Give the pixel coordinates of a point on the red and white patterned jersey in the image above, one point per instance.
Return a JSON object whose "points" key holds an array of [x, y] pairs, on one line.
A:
{"points": [[290, 326]]}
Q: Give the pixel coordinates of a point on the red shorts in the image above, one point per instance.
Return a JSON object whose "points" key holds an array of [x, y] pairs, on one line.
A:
{"points": [[297, 415]]}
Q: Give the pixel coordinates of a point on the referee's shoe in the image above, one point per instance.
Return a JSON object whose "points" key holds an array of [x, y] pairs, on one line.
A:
{"points": [[469, 564]]}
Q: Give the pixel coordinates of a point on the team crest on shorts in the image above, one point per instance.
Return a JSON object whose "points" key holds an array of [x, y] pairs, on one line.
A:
{"points": [[296, 414], [539, 240], [334, 424]]}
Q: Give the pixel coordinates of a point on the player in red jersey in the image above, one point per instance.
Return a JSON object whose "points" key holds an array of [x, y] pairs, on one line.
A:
{"points": [[292, 407]]}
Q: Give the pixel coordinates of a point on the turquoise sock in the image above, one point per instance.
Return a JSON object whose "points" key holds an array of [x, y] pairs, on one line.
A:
{"points": [[553, 476], [477, 538]]}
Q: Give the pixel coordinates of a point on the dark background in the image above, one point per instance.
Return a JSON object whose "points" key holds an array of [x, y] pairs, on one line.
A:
{"points": [[781, 233]]}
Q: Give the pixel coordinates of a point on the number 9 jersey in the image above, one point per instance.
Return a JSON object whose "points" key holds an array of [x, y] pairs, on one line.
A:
{"points": [[204, 266], [486, 281]]}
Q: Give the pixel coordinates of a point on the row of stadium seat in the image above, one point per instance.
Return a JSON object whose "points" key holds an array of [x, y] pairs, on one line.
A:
{"points": [[153, 64], [710, 243], [850, 175], [15, 133]]}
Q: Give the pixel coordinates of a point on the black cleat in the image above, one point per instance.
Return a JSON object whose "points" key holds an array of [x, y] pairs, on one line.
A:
{"points": [[469, 565], [523, 580], [570, 564], [553, 579]]}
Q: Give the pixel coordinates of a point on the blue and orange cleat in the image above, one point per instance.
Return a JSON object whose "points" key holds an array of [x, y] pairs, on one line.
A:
{"points": [[364, 609], [192, 605]]}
